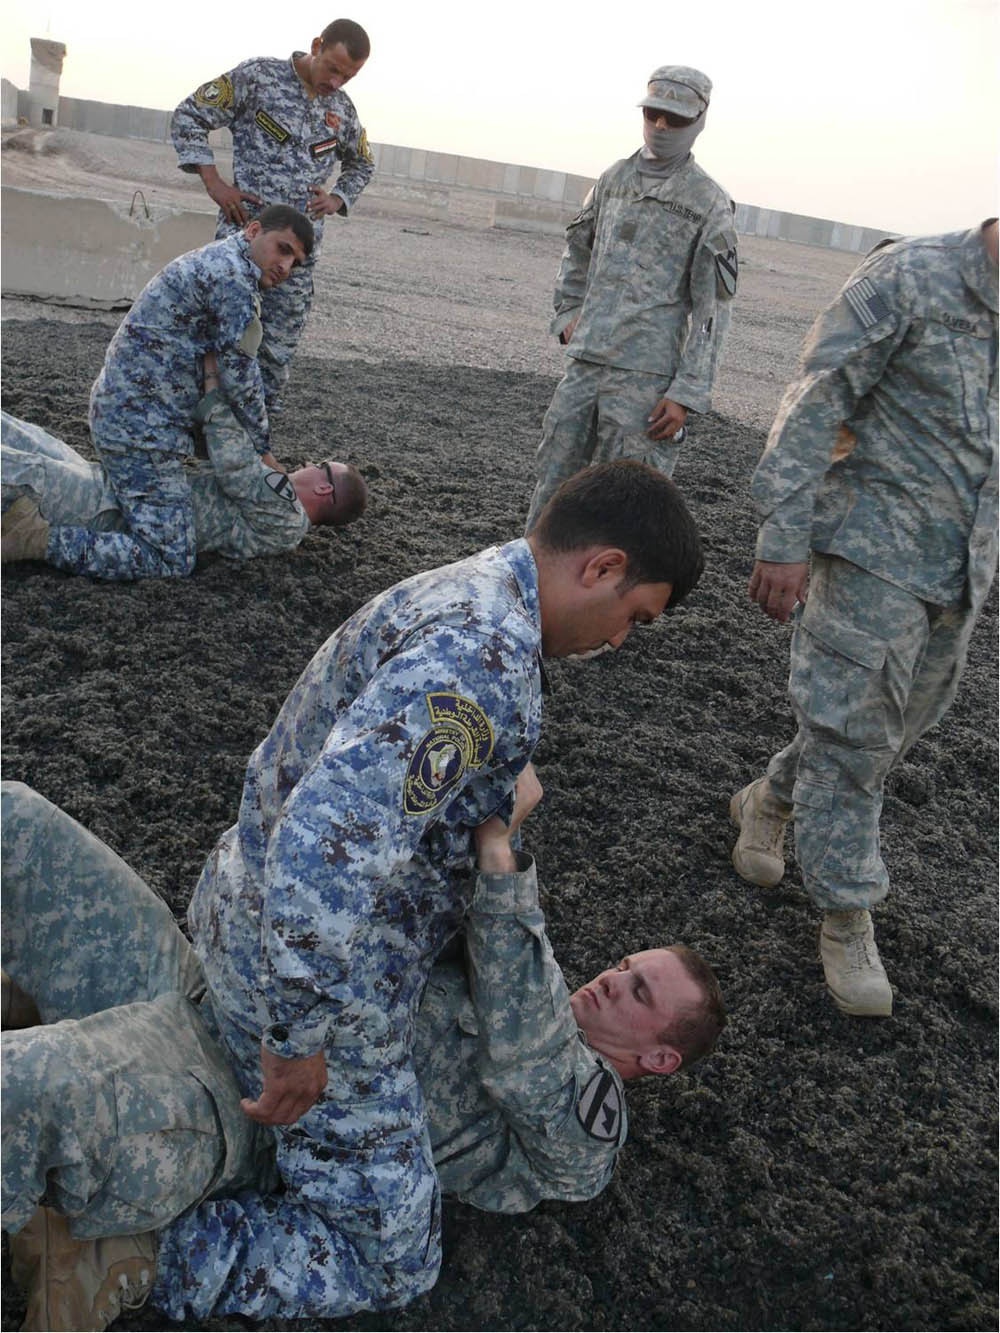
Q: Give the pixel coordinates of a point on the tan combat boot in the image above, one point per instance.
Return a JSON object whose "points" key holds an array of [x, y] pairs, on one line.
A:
{"points": [[854, 973], [759, 854], [79, 1285], [18, 1008], [24, 534]]}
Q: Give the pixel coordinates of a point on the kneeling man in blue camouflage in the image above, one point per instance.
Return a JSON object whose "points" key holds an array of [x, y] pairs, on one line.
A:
{"points": [[318, 916], [878, 494], [143, 403], [243, 508], [124, 1112]]}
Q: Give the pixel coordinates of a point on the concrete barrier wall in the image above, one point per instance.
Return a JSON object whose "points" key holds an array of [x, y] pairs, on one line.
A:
{"points": [[474, 191], [89, 251], [8, 103]]}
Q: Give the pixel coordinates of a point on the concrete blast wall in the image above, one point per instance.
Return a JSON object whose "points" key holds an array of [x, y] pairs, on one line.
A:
{"points": [[43, 86], [89, 251], [470, 190]]}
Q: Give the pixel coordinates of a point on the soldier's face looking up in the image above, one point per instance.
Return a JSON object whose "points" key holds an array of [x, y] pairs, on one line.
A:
{"points": [[329, 67], [624, 1011], [274, 252]]}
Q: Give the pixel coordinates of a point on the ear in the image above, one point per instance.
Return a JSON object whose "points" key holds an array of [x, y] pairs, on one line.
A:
{"points": [[317, 46], [608, 564], [661, 1060], [252, 229]]}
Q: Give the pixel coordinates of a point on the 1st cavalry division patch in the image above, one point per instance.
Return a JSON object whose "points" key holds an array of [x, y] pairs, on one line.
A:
{"points": [[599, 1109], [460, 738], [217, 92]]}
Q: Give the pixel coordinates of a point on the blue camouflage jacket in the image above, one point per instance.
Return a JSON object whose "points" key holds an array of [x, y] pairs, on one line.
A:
{"points": [[151, 382], [320, 912], [284, 139]]}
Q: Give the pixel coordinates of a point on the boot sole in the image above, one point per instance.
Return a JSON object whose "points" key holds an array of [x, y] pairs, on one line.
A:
{"points": [[860, 1011]]}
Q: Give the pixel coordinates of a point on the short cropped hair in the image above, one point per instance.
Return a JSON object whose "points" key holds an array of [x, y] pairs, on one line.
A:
{"points": [[353, 36], [695, 1031], [632, 506], [278, 217], [352, 489]]}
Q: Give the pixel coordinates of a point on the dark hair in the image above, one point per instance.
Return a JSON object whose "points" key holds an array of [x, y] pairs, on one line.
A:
{"points": [[634, 507], [278, 217], [351, 34], [695, 1031]]}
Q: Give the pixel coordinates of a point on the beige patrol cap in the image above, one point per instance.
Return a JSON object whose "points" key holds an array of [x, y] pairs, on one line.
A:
{"points": [[678, 88]]}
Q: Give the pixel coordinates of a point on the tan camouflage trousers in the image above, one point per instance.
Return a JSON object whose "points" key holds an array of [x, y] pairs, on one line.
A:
{"points": [[597, 414], [872, 668]]}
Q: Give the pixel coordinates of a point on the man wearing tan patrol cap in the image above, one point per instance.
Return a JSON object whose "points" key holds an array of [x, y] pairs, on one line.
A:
{"points": [[642, 297]]}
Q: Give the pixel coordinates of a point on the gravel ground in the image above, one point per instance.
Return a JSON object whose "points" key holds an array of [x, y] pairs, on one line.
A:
{"points": [[818, 1172]]}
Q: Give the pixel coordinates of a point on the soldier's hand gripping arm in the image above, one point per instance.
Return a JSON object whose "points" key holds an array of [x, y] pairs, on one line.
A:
{"points": [[532, 1060]]}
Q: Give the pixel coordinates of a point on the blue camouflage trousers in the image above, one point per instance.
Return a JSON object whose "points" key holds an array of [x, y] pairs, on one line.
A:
{"points": [[123, 1110], [120, 1111], [284, 311], [872, 668], [158, 541], [597, 414]]}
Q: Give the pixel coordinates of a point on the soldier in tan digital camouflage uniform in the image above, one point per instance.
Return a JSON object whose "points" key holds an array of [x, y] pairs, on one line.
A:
{"points": [[642, 298], [878, 496]]}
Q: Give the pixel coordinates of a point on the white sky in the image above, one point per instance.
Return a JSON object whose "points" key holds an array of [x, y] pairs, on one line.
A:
{"points": [[883, 113]]}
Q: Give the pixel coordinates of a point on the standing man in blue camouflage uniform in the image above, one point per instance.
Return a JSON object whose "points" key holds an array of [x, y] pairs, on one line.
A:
{"points": [[519, 1107], [242, 507], [319, 914], [292, 123], [142, 405], [880, 470], [642, 298]]}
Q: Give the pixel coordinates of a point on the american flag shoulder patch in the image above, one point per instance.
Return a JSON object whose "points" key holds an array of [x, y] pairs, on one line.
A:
{"points": [[868, 306]]}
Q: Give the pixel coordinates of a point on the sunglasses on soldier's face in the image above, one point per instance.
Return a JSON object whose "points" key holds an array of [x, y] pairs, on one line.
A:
{"points": [[655, 113], [329, 476]]}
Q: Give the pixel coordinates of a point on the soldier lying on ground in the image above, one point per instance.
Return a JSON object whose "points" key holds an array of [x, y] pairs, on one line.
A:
{"points": [[320, 913], [242, 507], [127, 1113], [142, 405]]}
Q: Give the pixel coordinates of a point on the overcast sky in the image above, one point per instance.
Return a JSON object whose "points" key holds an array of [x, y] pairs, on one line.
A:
{"points": [[883, 113]]}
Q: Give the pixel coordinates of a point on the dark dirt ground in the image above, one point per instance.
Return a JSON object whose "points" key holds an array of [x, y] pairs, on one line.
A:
{"points": [[819, 1172]]}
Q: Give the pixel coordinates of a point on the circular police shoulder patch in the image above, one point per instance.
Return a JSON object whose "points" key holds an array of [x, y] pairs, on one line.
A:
{"points": [[599, 1108], [460, 738], [217, 92]]}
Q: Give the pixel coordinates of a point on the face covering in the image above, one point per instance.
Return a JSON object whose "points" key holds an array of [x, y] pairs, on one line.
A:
{"points": [[666, 149]]}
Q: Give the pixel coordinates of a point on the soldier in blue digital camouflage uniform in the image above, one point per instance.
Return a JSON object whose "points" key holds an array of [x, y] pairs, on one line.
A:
{"points": [[242, 507], [880, 469], [292, 124], [142, 405], [317, 917], [643, 296], [111, 1114]]}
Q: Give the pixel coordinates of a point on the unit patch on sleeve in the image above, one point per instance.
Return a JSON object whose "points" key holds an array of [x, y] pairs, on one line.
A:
{"points": [[270, 126], [460, 738], [864, 299], [217, 92], [281, 485], [723, 249], [599, 1109]]}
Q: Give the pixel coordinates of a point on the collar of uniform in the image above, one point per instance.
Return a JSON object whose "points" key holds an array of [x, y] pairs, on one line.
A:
{"points": [[518, 555], [656, 186], [978, 270], [243, 245]]}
